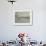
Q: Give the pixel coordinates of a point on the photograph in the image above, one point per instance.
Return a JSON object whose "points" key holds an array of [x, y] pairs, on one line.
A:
{"points": [[23, 17]]}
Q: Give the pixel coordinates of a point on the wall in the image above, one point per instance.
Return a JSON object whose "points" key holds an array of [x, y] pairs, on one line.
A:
{"points": [[9, 31]]}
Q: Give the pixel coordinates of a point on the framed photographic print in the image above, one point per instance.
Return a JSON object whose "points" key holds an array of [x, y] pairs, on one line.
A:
{"points": [[23, 17]]}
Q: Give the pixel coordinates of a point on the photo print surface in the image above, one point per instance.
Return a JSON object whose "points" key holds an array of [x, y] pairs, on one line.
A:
{"points": [[22, 17]]}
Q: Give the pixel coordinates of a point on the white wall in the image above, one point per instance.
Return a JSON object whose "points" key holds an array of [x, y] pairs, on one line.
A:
{"points": [[9, 31]]}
